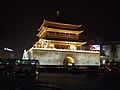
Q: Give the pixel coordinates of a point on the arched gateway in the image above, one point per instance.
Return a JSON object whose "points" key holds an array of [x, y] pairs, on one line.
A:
{"points": [[68, 61]]}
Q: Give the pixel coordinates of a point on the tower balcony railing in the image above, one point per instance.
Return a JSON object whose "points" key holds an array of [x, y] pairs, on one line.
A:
{"points": [[63, 37]]}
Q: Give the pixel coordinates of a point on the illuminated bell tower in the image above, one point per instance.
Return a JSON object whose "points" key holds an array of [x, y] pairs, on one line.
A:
{"points": [[59, 44], [59, 36]]}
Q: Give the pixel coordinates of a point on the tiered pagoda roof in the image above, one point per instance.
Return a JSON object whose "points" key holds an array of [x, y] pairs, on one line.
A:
{"points": [[50, 24]]}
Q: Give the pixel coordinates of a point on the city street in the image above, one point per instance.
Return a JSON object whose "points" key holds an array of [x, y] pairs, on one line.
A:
{"points": [[62, 81]]}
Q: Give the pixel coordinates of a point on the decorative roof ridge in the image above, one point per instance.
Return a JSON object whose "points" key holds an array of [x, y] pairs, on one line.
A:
{"points": [[41, 25], [47, 23], [52, 22], [70, 41]]}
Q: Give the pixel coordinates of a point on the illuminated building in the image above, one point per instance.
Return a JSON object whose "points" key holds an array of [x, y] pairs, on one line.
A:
{"points": [[59, 44], [112, 50], [6, 53], [52, 34]]}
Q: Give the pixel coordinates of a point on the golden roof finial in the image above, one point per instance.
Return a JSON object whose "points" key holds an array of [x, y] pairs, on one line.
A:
{"points": [[58, 12]]}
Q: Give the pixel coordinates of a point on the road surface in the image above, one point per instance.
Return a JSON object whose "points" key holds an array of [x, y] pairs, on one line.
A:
{"points": [[65, 81]]}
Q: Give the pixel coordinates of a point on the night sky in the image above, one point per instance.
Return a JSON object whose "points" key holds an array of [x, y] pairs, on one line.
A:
{"points": [[19, 20]]}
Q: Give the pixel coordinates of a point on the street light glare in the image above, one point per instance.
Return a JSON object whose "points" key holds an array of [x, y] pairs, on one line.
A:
{"points": [[8, 49]]}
